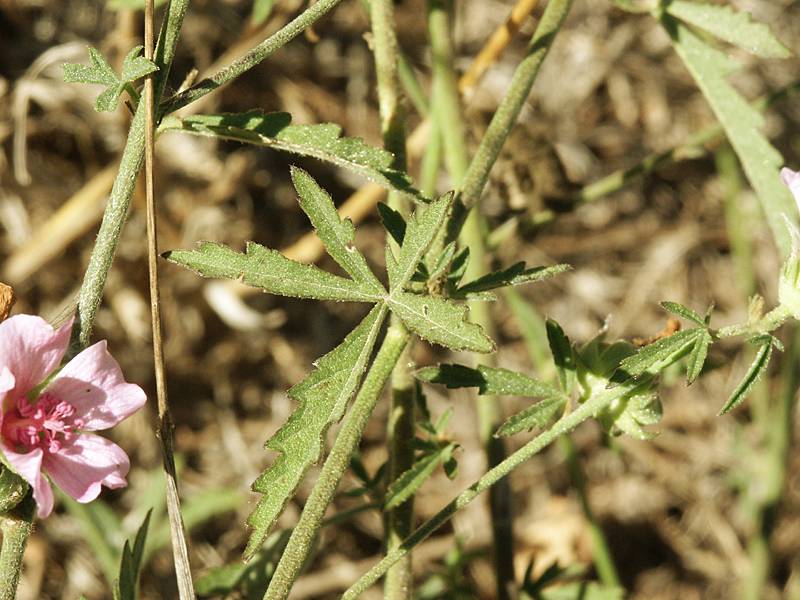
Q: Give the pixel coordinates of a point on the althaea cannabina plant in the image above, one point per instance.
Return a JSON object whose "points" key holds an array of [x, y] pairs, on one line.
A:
{"points": [[46, 413]]}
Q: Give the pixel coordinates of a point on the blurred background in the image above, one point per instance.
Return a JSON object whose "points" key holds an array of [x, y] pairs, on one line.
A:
{"points": [[686, 515]]}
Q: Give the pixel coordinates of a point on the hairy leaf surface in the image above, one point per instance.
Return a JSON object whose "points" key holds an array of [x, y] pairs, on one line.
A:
{"points": [[439, 321], [408, 482], [323, 141], [322, 398], [697, 357], [272, 272], [516, 274], [727, 24], [684, 311], [654, 357], [536, 415], [757, 368], [742, 124]]}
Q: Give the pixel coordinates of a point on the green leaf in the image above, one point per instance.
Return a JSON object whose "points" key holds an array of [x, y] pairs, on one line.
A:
{"points": [[443, 261], [420, 232], [322, 398], [458, 268], [516, 274], [271, 271], [336, 235], [757, 368], [742, 124], [731, 26], [563, 355], [656, 356], [439, 321], [131, 563], [537, 415], [100, 72], [684, 312], [393, 222], [452, 376], [262, 9], [323, 141], [489, 380], [697, 357], [408, 482]]}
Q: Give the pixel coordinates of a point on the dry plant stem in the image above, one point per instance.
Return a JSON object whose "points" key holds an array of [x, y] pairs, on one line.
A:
{"points": [[177, 533], [263, 50], [510, 107], [778, 432], [447, 113], [400, 434], [16, 526], [562, 426], [116, 212], [336, 464]]}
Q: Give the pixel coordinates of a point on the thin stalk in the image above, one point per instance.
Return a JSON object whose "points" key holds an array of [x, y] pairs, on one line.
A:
{"points": [[769, 322], [336, 464], [779, 438], [601, 553], [16, 526], [177, 531], [400, 427], [448, 113], [562, 426], [505, 117], [94, 280], [258, 53]]}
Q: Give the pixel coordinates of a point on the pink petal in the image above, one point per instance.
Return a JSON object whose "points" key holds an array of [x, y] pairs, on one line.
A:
{"points": [[29, 467], [80, 468], [792, 180], [6, 385], [93, 383], [31, 349]]}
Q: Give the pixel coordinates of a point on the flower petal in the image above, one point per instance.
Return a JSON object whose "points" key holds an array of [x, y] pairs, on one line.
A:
{"points": [[80, 468], [93, 383], [31, 349], [791, 179], [29, 467]]}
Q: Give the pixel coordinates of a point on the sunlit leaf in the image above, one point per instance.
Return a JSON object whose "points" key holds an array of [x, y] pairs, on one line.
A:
{"points": [[656, 356], [516, 274], [408, 482], [421, 229], [684, 311], [322, 398], [757, 368], [536, 415], [697, 357]]}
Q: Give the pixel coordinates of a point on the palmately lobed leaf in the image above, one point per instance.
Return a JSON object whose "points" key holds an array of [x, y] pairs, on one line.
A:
{"points": [[439, 321], [322, 398], [336, 235], [323, 141], [272, 272], [729, 25]]}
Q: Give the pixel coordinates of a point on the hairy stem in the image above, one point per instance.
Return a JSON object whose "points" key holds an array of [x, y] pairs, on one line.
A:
{"points": [[448, 113], [562, 426], [258, 53], [336, 464], [16, 526], [399, 521], [94, 280]]}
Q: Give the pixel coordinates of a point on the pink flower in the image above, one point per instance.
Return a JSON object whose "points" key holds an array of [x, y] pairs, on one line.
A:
{"points": [[45, 413], [792, 180]]}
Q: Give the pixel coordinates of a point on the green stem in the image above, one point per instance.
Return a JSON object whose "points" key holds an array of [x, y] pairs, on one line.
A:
{"points": [[769, 322], [601, 553], [400, 427], [505, 117], [16, 526], [336, 464], [562, 426], [94, 280], [778, 432], [448, 113], [258, 53]]}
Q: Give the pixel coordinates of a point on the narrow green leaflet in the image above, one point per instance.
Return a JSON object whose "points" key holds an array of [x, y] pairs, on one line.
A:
{"points": [[420, 231], [452, 376], [697, 357], [323, 141], [731, 26], [563, 355], [654, 357], [131, 563], [757, 368], [439, 321], [489, 380], [535, 416], [684, 312], [271, 271], [516, 274], [742, 124], [393, 222], [322, 398], [100, 72], [335, 234], [407, 484]]}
